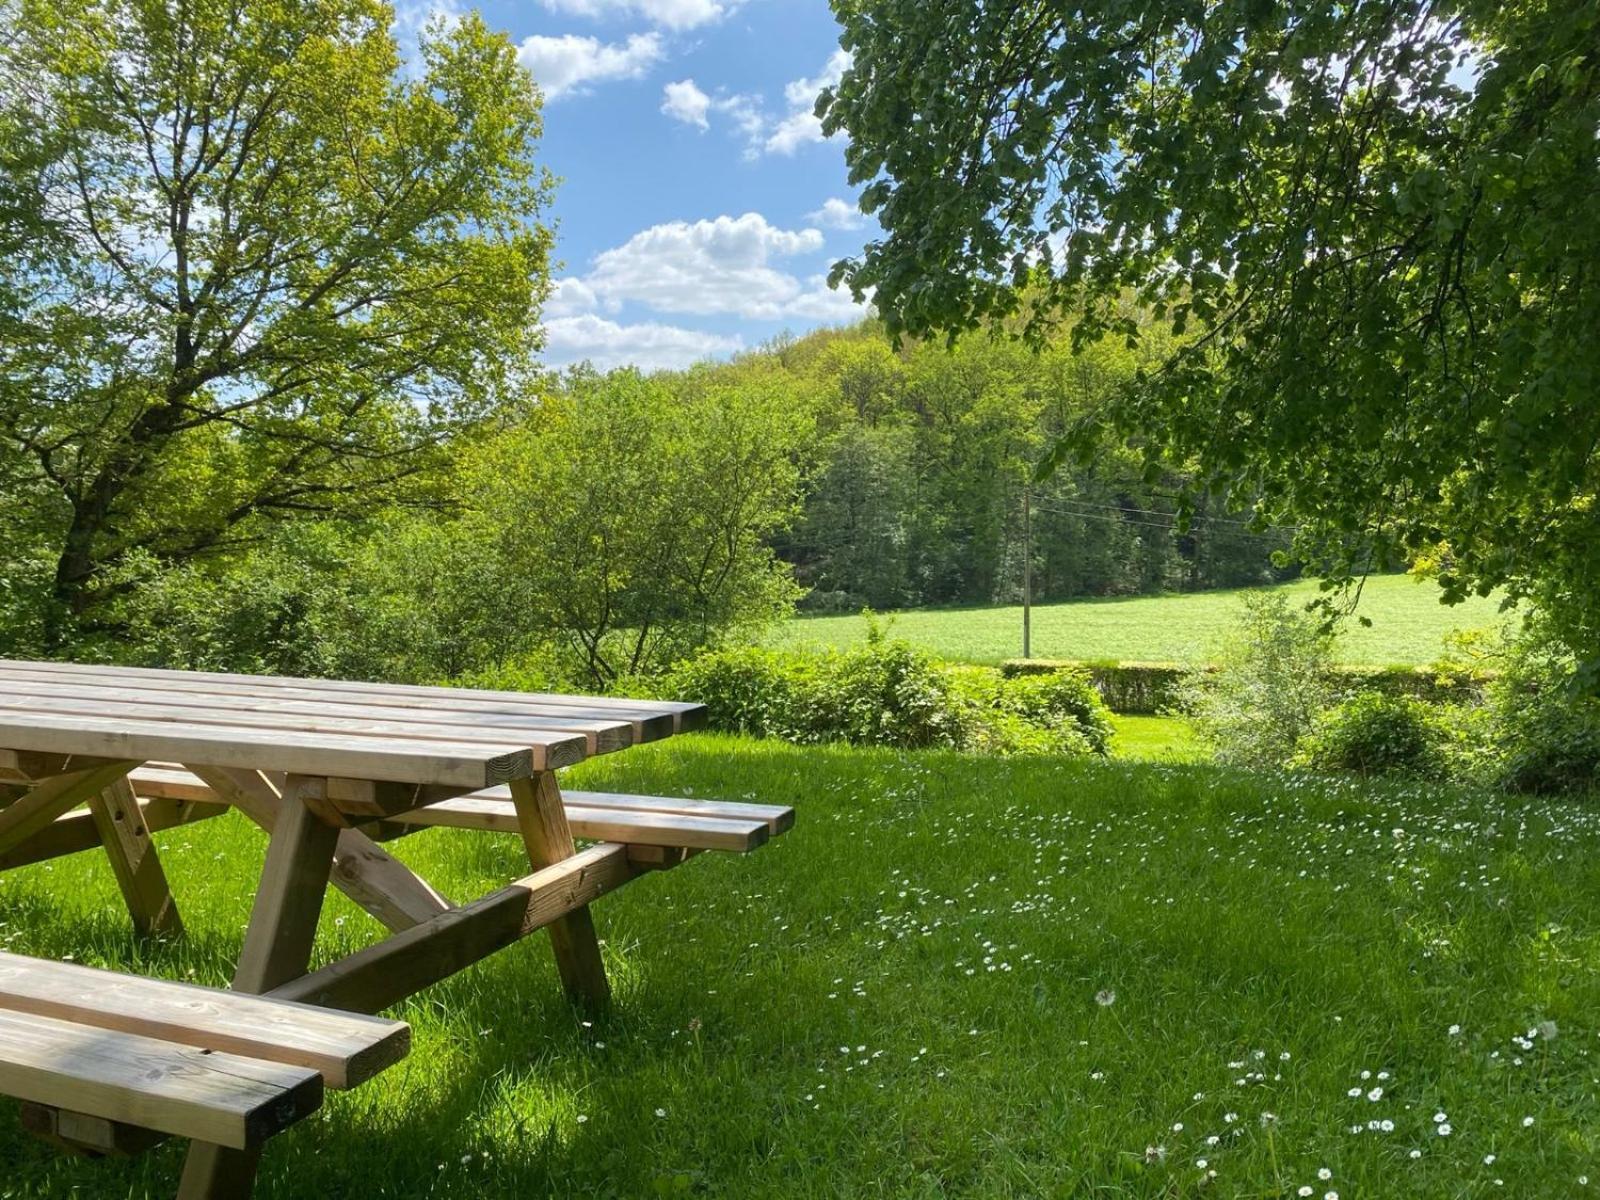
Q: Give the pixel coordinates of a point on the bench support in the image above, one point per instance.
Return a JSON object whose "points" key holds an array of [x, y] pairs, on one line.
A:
{"points": [[277, 948], [121, 825], [542, 821]]}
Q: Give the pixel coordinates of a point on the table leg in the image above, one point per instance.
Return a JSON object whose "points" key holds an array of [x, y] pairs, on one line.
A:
{"points": [[362, 870], [46, 801], [126, 838], [277, 948], [542, 820]]}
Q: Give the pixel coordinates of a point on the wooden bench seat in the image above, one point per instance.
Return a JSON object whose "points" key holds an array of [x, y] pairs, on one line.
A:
{"points": [[114, 1051], [599, 816]]}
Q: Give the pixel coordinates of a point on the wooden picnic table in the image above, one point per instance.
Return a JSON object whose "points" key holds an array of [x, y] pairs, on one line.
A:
{"points": [[330, 769]]}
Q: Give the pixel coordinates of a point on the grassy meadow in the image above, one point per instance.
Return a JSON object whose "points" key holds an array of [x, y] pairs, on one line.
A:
{"points": [[959, 977], [1408, 626]]}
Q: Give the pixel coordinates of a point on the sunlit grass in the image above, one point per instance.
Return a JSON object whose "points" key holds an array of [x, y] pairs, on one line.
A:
{"points": [[1159, 739], [899, 997], [1408, 626]]}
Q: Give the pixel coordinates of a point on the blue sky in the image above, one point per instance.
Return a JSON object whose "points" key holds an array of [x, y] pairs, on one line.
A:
{"points": [[699, 207]]}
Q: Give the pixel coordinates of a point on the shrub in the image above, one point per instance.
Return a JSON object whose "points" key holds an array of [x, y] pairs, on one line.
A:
{"points": [[890, 694], [1155, 687], [747, 689], [1271, 679], [1061, 700], [1372, 733], [1544, 727]]}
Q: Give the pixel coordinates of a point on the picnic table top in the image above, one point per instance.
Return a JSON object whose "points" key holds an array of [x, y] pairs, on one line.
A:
{"points": [[454, 737]]}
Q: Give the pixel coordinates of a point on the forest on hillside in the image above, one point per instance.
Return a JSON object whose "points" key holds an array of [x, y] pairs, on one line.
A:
{"points": [[606, 525]]}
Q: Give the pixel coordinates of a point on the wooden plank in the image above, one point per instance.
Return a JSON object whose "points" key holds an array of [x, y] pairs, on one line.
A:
{"points": [[28, 766], [684, 715], [605, 732], [345, 1050], [84, 1133], [75, 832], [376, 880], [601, 816], [23, 818], [777, 818], [408, 731], [277, 948], [223, 1098], [384, 974], [474, 765], [542, 821], [598, 824], [120, 823], [294, 882]]}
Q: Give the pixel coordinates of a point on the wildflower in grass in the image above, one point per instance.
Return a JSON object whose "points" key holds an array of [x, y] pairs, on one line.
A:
{"points": [[1547, 1030], [1324, 1174], [1155, 1154], [661, 1112], [1445, 1130], [1375, 1094], [1527, 1122], [1305, 1190], [1268, 1119], [1105, 997]]}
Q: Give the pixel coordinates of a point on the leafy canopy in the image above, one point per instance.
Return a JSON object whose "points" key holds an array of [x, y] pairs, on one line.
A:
{"points": [[1371, 222], [252, 270]]}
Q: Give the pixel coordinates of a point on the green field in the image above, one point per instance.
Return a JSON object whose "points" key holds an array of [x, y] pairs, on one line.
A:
{"points": [[1408, 626], [957, 977]]}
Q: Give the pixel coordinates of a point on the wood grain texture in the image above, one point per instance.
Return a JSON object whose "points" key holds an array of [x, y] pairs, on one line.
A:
{"points": [[119, 821], [599, 824], [682, 716], [384, 974], [606, 732], [476, 764], [74, 832], [376, 880], [33, 812], [345, 1050], [542, 821], [223, 1098]]}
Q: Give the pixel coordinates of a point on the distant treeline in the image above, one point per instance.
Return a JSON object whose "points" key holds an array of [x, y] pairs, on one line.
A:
{"points": [[923, 459]]}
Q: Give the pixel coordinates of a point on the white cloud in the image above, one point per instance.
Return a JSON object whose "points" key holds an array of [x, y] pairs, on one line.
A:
{"points": [[683, 101], [648, 345], [718, 266], [567, 64], [671, 14], [726, 266], [837, 214], [801, 126]]}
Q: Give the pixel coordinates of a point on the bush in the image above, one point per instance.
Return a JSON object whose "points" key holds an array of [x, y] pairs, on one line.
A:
{"points": [[1156, 687], [890, 694], [1062, 700], [1372, 733], [1271, 679], [1544, 728]]}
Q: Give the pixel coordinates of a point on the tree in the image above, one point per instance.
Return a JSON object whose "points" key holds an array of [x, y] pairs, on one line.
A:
{"points": [[255, 270], [1367, 223], [625, 521]]}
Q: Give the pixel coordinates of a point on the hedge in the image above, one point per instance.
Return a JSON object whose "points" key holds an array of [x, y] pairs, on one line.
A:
{"points": [[1151, 687]]}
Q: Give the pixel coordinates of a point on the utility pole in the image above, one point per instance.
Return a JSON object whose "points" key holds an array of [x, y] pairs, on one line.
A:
{"points": [[1027, 570]]}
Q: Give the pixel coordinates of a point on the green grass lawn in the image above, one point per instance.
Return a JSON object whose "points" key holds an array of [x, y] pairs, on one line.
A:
{"points": [[1408, 626], [960, 978], [1155, 739]]}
